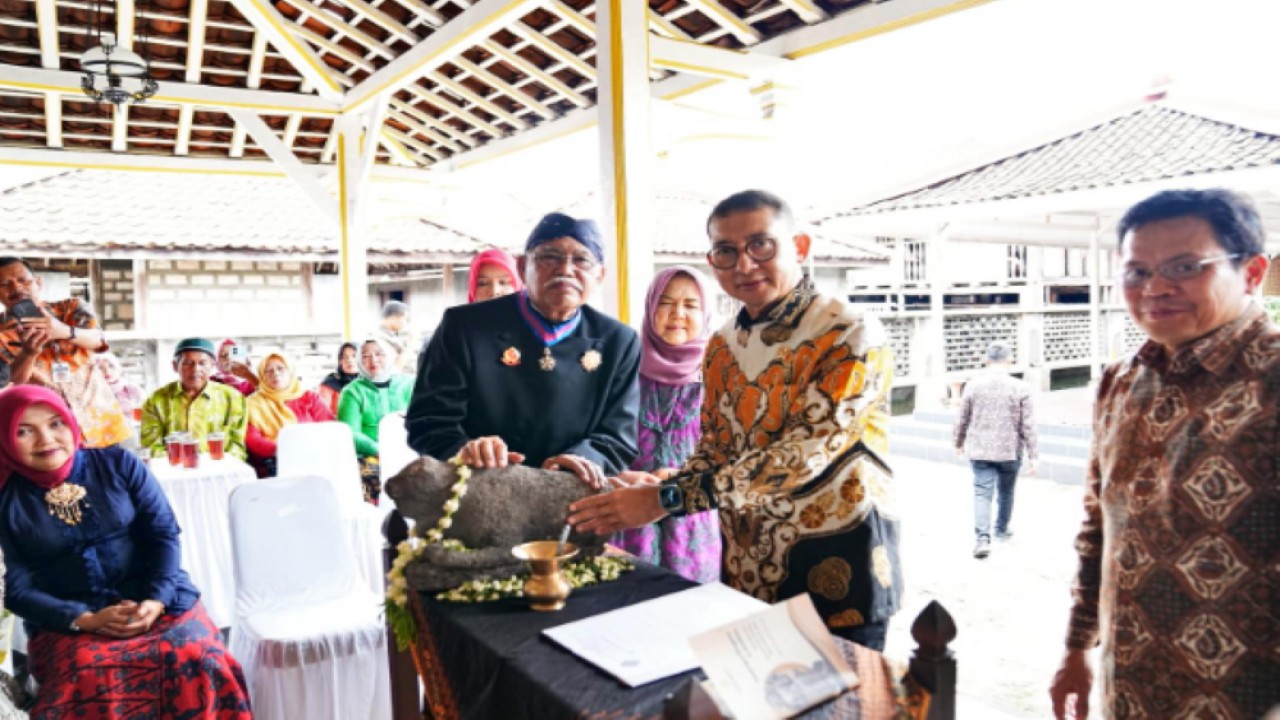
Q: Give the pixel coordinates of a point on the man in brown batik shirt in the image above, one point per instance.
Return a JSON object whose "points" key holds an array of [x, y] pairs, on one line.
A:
{"points": [[1179, 575]]}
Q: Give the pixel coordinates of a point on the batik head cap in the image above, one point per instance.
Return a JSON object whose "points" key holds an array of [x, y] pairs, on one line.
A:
{"points": [[557, 225]]}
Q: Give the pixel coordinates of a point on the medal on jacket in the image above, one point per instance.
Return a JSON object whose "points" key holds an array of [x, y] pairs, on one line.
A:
{"points": [[511, 357], [64, 502], [546, 362], [591, 360]]}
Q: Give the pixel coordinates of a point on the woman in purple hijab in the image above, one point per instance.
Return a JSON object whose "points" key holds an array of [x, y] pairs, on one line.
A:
{"points": [[677, 325]]}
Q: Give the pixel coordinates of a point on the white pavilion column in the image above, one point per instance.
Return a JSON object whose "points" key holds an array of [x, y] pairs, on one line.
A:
{"points": [[622, 65], [353, 256]]}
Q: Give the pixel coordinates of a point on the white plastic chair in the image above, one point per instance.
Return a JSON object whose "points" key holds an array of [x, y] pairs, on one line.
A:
{"points": [[308, 632], [394, 452], [327, 450], [324, 449]]}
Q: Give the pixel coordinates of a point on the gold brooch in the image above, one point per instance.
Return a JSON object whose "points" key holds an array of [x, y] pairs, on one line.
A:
{"points": [[64, 502], [546, 362], [511, 357], [591, 360]]}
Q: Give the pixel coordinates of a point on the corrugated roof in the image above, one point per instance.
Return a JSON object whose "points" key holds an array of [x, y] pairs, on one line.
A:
{"points": [[93, 211], [1152, 143]]}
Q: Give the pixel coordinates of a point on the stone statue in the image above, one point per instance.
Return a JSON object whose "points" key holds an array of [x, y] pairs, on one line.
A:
{"points": [[502, 508]]}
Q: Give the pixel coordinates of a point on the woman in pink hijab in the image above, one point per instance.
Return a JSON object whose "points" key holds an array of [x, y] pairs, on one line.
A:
{"points": [[493, 274], [677, 326]]}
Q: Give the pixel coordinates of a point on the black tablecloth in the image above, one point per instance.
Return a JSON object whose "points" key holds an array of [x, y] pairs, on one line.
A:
{"points": [[500, 666]]}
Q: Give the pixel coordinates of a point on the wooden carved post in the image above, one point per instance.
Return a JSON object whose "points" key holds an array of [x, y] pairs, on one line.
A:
{"points": [[933, 664], [405, 703]]}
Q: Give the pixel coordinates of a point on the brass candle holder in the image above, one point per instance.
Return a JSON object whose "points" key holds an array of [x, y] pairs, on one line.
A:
{"points": [[547, 588]]}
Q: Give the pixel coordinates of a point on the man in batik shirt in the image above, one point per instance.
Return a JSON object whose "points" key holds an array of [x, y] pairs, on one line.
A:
{"points": [[56, 350], [195, 404], [794, 443], [1180, 550]]}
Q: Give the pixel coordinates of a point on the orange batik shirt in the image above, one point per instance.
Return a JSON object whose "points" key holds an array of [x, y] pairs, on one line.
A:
{"points": [[86, 389], [793, 450]]}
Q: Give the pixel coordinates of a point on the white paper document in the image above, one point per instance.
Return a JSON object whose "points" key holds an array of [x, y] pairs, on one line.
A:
{"points": [[650, 640], [774, 664]]}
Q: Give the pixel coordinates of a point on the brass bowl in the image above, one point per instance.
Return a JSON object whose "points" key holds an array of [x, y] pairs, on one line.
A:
{"points": [[547, 588]]}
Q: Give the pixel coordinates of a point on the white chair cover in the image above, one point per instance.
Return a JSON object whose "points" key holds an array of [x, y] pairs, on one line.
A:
{"points": [[394, 452], [327, 450], [308, 632], [324, 449]]}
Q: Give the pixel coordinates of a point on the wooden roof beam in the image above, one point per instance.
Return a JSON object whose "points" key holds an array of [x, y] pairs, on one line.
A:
{"points": [[283, 155], [725, 18], [53, 120], [666, 26], [454, 109], [257, 58], [412, 122], [268, 21], [47, 19], [195, 39], [340, 25], [709, 61], [497, 83], [469, 28], [399, 155], [427, 121], [553, 49], [186, 119], [806, 10], [462, 91], [68, 83], [514, 59], [383, 20]]}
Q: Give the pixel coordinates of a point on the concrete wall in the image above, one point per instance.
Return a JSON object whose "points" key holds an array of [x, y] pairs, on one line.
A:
{"points": [[230, 297]]}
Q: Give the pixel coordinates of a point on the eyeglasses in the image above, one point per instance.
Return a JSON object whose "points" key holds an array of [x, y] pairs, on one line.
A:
{"points": [[725, 257], [555, 260], [1176, 270]]}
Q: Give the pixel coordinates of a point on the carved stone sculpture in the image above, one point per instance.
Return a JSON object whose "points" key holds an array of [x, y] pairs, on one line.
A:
{"points": [[502, 508]]}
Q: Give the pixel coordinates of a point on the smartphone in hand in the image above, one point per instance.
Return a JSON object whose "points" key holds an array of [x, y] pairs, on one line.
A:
{"points": [[26, 310]]}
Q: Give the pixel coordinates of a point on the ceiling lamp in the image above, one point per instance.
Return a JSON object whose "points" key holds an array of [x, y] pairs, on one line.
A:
{"points": [[113, 73]]}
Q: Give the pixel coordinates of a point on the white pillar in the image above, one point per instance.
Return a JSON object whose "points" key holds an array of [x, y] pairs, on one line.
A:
{"points": [[353, 258], [622, 64]]}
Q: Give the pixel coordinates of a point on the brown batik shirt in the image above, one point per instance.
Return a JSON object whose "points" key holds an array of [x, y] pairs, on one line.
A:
{"points": [[1180, 549]]}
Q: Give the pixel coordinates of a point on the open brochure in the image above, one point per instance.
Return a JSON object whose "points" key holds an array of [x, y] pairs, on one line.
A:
{"points": [[773, 664]]}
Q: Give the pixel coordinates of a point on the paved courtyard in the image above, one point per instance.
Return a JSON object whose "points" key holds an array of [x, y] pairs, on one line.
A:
{"points": [[1011, 608]]}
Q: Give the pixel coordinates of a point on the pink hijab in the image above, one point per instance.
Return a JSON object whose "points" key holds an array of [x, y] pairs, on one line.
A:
{"points": [[661, 361], [492, 256], [13, 403]]}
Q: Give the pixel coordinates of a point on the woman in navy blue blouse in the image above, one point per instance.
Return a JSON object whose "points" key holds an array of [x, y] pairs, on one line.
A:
{"points": [[92, 555]]}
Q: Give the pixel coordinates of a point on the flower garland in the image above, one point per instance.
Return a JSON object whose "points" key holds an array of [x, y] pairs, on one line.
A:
{"points": [[580, 574], [397, 602]]}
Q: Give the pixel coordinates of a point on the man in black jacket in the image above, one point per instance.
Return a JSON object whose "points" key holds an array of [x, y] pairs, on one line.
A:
{"points": [[537, 377]]}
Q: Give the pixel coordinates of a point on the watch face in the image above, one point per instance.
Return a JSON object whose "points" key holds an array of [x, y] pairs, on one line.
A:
{"points": [[671, 497]]}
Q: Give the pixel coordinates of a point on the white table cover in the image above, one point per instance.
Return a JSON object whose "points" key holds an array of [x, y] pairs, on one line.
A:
{"points": [[199, 499]]}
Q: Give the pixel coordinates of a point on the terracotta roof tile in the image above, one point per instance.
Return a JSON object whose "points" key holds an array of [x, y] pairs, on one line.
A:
{"points": [[1153, 143]]}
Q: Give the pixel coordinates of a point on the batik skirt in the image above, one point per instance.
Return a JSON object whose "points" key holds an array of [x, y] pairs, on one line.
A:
{"points": [[177, 669]]}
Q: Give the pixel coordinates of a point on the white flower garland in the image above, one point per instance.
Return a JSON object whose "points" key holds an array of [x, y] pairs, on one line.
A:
{"points": [[398, 615]]}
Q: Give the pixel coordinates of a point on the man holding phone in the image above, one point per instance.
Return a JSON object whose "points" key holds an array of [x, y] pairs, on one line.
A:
{"points": [[52, 344]]}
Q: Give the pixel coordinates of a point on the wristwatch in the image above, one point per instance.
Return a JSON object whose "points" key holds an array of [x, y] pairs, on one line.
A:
{"points": [[671, 497], [72, 328]]}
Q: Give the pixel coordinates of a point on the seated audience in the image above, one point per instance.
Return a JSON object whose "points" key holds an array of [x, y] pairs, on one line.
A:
{"points": [[194, 404], [493, 274], [279, 401], [332, 385], [53, 345], [377, 392], [116, 627], [127, 394], [233, 368], [677, 326]]}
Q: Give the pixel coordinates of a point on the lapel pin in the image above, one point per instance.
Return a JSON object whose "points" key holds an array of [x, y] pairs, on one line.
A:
{"points": [[511, 357], [591, 360]]}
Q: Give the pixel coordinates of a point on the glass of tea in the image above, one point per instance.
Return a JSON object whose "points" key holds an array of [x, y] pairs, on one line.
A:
{"points": [[173, 444], [190, 452], [217, 443], [137, 414]]}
